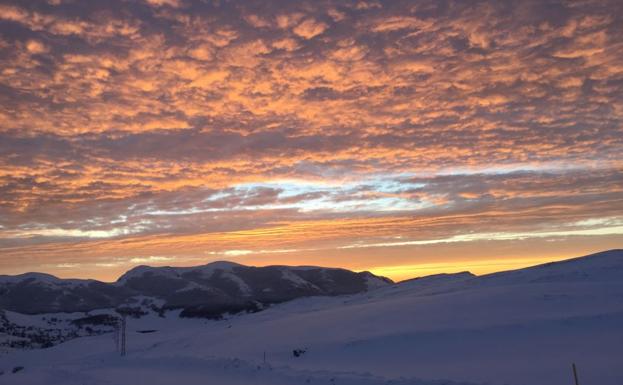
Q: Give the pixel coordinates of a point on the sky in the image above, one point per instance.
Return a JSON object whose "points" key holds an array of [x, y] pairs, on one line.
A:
{"points": [[402, 137]]}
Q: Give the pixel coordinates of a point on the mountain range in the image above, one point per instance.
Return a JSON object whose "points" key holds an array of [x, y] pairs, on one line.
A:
{"points": [[207, 291]]}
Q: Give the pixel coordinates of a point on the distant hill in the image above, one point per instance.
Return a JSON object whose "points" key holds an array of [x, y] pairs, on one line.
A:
{"points": [[208, 290]]}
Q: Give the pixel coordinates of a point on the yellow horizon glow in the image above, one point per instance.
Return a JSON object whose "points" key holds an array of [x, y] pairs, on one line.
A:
{"points": [[399, 273]]}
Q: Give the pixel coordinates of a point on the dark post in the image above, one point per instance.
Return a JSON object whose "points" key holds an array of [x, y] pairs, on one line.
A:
{"points": [[123, 324], [575, 374], [116, 334]]}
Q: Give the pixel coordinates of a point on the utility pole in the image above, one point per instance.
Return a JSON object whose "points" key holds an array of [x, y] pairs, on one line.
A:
{"points": [[116, 334], [123, 325], [575, 374]]}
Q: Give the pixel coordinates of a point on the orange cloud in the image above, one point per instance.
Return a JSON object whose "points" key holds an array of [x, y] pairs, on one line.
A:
{"points": [[206, 127], [309, 28]]}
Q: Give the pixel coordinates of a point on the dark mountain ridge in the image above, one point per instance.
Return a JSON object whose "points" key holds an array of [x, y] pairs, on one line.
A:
{"points": [[207, 290]]}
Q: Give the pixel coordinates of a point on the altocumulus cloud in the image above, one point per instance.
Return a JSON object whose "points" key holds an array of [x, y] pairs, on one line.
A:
{"points": [[252, 126]]}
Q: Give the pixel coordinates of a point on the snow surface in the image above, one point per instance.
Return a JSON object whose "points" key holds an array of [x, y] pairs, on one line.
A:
{"points": [[242, 285], [520, 327], [295, 279]]}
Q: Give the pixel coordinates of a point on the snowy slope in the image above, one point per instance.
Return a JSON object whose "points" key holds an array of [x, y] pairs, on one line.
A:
{"points": [[520, 327]]}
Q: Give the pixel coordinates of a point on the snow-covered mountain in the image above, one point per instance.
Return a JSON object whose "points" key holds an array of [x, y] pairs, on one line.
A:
{"points": [[208, 290], [43, 293], [522, 327]]}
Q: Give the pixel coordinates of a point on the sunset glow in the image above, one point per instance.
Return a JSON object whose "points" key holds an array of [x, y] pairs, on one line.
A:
{"points": [[402, 137]]}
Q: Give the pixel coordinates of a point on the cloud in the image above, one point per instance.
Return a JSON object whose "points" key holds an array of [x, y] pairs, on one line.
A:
{"points": [[151, 259], [35, 47], [309, 28], [167, 123], [160, 3], [395, 23]]}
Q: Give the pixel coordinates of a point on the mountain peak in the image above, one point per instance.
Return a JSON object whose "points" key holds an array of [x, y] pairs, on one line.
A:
{"points": [[173, 272], [42, 277]]}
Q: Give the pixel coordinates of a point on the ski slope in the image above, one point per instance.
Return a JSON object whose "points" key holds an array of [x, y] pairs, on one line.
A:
{"points": [[519, 327]]}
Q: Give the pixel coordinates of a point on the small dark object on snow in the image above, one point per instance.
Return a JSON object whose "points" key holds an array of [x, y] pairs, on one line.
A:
{"points": [[146, 331], [17, 369], [298, 352]]}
